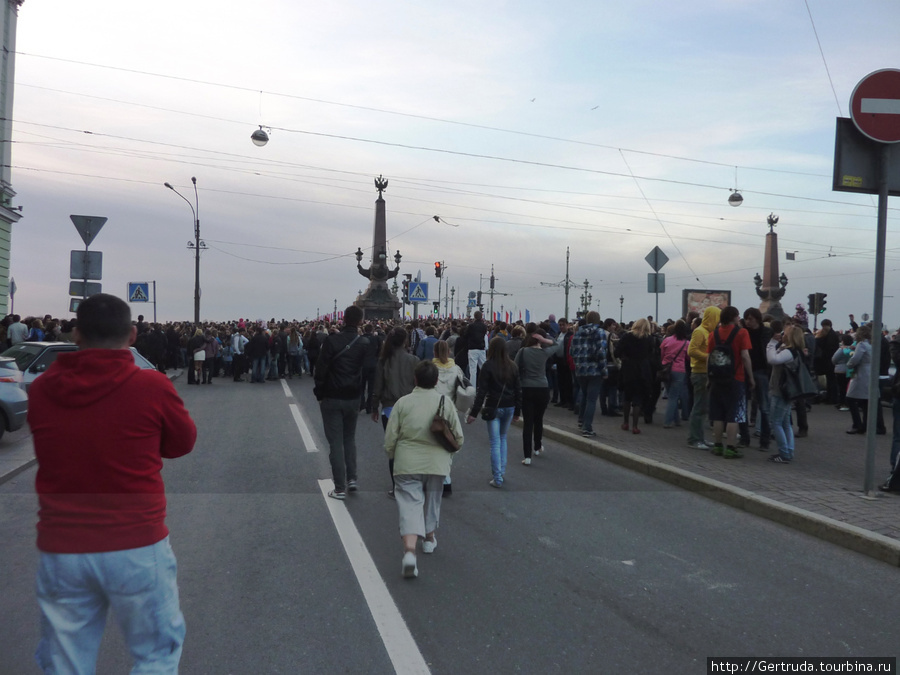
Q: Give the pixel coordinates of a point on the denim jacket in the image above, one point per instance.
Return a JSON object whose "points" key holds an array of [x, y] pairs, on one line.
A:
{"points": [[588, 350]]}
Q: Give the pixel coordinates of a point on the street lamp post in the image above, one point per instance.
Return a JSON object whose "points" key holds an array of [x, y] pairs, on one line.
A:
{"points": [[621, 307], [196, 244]]}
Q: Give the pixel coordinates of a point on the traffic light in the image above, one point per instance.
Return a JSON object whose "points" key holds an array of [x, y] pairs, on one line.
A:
{"points": [[812, 303], [820, 302], [406, 291], [436, 308], [437, 269], [478, 299]]}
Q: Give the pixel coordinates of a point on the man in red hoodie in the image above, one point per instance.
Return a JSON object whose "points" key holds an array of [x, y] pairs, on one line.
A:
{"points": [[101, 429]]}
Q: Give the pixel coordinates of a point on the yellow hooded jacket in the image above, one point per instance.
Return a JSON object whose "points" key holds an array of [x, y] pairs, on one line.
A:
{"points": [[697, 350]]}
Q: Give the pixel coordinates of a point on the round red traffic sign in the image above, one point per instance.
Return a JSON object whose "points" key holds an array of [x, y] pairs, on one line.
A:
{"points": [[875, 105]]}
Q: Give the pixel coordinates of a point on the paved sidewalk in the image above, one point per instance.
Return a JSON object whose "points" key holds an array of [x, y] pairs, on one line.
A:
{"points": [[820, 492]]}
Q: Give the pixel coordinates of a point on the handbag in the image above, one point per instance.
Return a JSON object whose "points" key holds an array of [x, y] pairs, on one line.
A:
{"points": [[664, 374], [796, 381], [442, 431], [488, 414]]}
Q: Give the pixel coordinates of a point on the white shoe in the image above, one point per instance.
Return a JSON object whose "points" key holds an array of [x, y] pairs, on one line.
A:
{"points": [[429, 546], [527, 461], [409, 569], [538, 452]]}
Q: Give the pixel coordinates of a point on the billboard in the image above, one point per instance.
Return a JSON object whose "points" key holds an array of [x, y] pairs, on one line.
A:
{"points": [[695, 300]]}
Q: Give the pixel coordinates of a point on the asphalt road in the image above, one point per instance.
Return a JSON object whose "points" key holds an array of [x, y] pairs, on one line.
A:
{"points": [[575, 565]]}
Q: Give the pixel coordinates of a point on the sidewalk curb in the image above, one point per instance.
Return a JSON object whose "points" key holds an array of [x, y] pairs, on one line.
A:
{"points": [[852, 537], [9, 475]]}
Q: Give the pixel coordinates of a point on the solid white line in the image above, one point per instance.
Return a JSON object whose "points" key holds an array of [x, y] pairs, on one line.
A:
{"points": [[883, 106], [398, 641], [304, 430], [287, 389]]}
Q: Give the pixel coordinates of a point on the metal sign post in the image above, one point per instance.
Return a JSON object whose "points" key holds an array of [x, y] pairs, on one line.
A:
{"points": [[89, 264], [875, 111], [656, 283]]}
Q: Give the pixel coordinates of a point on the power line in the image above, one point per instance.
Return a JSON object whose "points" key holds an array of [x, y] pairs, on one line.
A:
{"points": [[391, 112]]}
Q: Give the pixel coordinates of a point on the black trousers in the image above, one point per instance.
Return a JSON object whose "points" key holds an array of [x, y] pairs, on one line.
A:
{"points": [[534, 405]]}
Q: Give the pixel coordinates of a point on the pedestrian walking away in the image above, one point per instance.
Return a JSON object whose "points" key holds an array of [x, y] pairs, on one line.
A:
{"points": [[338, 387], [531, 361], [394, 378], [500, 394], [420, 462], [101, 428]]}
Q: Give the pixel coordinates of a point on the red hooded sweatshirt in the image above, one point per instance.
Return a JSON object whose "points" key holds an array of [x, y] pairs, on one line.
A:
{"points": [[101, 428]]}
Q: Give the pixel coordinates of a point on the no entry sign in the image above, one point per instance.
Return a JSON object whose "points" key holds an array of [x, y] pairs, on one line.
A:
{"points": [[875, 106]]}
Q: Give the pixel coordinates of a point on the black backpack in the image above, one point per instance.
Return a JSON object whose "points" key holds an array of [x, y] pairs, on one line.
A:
{"points": [[720, 367]]}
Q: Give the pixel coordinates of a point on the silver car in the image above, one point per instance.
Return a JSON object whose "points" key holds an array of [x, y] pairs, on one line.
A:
{"points": [[33, 358], [13, 399]]}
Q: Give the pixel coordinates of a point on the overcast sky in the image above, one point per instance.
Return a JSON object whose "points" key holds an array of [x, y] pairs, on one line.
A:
{"points": [[527, 127]]}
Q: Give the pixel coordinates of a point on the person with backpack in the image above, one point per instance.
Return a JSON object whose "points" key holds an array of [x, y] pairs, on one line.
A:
{"points": [[781, 350], [729, 371]]}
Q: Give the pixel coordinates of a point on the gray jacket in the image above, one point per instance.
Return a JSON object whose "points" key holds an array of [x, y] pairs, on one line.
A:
{"points": [[861, 363], [532, 365]]}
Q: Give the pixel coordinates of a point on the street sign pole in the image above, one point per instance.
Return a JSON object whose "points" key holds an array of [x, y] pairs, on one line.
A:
{"points": [[874, 378], [875, 110]]}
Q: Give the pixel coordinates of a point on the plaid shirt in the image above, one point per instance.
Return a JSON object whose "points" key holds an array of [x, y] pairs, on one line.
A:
{"points": [[588, 350]]}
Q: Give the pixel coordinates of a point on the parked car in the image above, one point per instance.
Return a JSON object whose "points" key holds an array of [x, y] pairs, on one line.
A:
{"points": [[13, 399], [33, 358]]}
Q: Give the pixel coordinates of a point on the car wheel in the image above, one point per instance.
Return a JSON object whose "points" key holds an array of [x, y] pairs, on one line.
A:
{"points": [[4, 424]]}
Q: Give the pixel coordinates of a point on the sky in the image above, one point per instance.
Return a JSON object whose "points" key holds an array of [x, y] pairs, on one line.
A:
{"points": [[530, 129]]}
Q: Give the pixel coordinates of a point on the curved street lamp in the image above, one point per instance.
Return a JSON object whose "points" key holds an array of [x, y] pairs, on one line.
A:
{"points": [[196, 244]]}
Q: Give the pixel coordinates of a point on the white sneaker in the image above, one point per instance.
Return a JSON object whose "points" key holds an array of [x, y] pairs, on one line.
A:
{"points": [[538, 452], [527, 461], [429, 546], [409, 569]]}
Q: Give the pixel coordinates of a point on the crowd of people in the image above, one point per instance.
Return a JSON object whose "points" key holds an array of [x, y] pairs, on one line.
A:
{"points": [[514, 371]]}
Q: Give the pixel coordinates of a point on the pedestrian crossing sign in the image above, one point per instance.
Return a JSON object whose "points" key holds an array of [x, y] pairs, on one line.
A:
{"points": [[418, 291], [138, 291]]}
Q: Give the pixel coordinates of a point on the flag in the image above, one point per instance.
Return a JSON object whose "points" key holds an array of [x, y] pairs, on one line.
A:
{"points": [[520, 315], [527, 316]]}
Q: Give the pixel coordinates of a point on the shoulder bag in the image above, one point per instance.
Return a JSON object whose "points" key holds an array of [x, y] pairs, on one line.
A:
{"points": [[441, 430]]}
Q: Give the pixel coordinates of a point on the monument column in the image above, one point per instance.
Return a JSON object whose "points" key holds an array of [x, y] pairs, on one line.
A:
{"points": [[771, 287], [378, 301]]}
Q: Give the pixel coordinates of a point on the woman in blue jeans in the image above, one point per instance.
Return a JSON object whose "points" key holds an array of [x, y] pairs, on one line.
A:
{"points": [[782, 349], [499, 391]]}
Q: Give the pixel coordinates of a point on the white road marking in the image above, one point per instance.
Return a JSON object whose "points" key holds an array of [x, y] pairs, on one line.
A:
{"points": [[287, 389], [880, 106], [304, 429], [398, 641]]}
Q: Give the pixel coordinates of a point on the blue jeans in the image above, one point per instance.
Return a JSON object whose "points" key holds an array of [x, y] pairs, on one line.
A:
{"points": [[780, 422], [590, 391], [497, 430], [677, 390], [258, 374], [75, 591]]}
